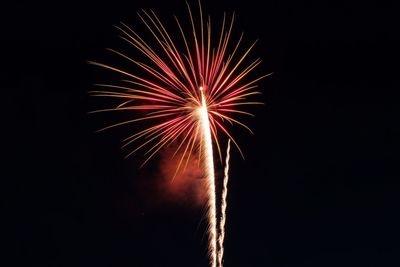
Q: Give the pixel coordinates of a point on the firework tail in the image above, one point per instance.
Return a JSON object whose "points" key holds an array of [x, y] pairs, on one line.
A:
{"points": [[209, 167], [224, 203]]}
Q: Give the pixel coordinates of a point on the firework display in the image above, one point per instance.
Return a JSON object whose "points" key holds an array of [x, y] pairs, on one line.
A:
{"points": [[189, 86]]}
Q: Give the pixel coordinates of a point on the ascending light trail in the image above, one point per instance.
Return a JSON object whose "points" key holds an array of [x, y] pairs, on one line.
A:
{"points": [[224, 204], [209, 168]]}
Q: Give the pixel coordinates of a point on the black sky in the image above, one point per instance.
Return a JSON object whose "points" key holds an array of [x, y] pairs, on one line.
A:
{"points": [[320, 184]]}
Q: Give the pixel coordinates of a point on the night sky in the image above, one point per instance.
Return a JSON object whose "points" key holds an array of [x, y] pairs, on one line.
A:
{"points": [[320, 185]]}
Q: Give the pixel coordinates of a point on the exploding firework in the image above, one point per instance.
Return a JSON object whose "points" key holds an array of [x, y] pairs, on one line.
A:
{"points": [[188, 90]]}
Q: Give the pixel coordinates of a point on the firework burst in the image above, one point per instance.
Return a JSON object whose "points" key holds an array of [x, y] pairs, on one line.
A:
{"points": [[186, 88]]}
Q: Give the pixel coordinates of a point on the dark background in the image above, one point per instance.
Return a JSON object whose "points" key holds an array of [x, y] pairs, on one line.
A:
{"points": [[320, 184]]}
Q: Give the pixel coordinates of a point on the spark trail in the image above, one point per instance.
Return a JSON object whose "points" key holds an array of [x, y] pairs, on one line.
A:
{"points": [[209, 168], [223, 207]]}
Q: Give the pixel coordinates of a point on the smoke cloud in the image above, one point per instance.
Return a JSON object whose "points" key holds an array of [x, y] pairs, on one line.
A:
{"points": [[186, 185]]}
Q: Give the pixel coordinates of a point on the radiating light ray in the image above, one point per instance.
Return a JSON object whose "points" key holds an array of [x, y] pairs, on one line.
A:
{"points": [[191, 96], [224, 204]]}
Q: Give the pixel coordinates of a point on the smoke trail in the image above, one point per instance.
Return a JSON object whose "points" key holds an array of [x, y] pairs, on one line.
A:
{"points": [[223, 207], [209, 165]]}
